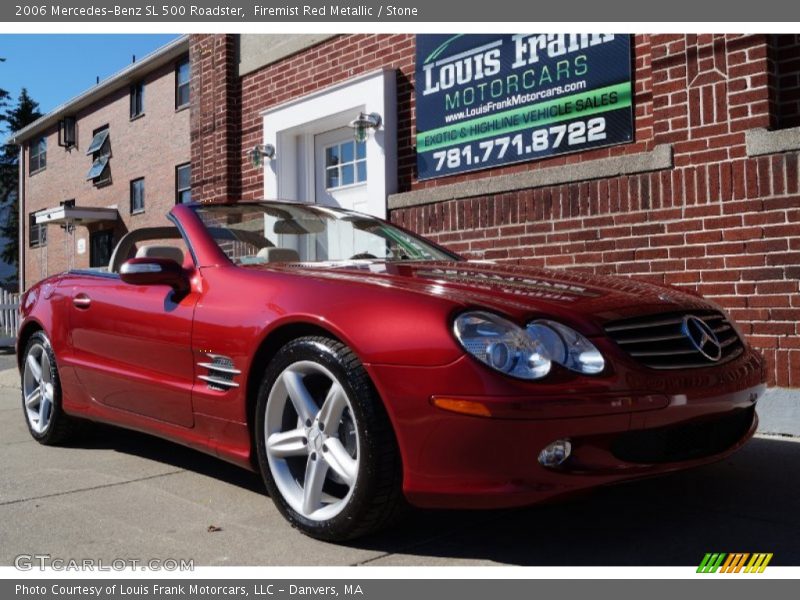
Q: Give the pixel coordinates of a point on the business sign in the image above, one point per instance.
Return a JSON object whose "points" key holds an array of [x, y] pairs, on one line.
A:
{"points": [[490, 100]]}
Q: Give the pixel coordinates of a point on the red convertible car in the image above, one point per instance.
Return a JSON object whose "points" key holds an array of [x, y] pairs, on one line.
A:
{"points": [[359, 367]]}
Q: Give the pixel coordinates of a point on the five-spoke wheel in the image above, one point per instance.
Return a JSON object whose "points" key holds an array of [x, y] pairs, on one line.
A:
{"points": [[325, 445], [37, 388], [311, 439]]}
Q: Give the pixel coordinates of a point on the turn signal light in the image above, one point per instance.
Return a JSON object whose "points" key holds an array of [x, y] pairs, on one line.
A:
{"points": [[464, 407]]}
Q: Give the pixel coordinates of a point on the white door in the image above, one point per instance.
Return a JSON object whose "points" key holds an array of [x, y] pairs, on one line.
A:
{"points": [[340, 166], [340, 170]]}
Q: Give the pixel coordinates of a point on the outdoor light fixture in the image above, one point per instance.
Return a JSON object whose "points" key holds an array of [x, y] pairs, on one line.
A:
{"points": [[260, 152], [363, 123]]}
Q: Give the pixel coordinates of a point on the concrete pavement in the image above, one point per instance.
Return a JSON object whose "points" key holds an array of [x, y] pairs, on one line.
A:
{"points": [[121, 494]]}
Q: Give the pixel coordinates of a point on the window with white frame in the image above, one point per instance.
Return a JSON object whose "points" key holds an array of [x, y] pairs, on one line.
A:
{"points": [[345, 164]]}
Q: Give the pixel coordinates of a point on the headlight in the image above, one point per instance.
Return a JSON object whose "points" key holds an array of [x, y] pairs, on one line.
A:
{"points": [[501, 344], [567, 347], [526, 353]]}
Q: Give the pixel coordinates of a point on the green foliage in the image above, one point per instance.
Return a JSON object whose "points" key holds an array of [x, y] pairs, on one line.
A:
{"points": [[14, 118]]}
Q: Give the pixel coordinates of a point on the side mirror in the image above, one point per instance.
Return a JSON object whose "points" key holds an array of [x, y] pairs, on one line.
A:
{"points": [[154, 271]]}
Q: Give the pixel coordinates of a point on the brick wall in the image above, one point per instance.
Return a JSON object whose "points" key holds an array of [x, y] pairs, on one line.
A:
{"points": [[216, 118], [719, 221], [150, 146]]}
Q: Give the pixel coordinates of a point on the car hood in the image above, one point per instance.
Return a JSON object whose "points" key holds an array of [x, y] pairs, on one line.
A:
{"points": [[518, 291]]}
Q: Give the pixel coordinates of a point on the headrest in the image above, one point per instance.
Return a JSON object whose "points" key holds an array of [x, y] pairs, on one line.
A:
{"points": [[279, 255], [154, 251]]}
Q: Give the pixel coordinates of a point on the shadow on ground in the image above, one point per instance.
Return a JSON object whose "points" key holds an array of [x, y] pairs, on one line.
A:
{"points": [[748, 503]]}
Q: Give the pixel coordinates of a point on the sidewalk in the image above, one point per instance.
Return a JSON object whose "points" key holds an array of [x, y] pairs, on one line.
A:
{"points": [[779, 412]]}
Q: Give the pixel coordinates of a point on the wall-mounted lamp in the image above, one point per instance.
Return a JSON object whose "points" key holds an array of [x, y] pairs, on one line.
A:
{"points": [[260, 152], [363, 123]]}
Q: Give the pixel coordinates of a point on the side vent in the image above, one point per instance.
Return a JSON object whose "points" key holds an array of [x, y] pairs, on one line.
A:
{"points": [[220, 373]]}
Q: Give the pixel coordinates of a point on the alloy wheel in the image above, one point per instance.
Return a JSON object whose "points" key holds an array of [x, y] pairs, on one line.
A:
{"points": [[311, 440], [37, 387]]}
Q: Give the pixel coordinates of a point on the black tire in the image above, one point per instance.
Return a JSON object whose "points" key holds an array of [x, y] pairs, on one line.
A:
{"points": [[61, 428], [375, 499]]}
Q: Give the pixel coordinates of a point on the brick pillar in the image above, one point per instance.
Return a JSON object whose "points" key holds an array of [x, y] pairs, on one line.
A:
{"points": [[215, 118]]}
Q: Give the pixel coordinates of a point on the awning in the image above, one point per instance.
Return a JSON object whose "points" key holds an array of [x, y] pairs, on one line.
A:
{"points": [[76, 215]]}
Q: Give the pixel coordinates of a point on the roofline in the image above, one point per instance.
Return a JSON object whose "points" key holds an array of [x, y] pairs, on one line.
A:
{"points": [[120, 79]]}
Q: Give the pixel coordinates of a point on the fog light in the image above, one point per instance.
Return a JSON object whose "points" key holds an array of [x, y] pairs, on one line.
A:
{"points": [[555, 453]]}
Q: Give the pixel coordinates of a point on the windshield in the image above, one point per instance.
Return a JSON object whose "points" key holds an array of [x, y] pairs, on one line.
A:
{"points": [[277, 232]]}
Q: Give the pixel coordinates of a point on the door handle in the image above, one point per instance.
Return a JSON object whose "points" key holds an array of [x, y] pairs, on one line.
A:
{"points": [[82, 301]]}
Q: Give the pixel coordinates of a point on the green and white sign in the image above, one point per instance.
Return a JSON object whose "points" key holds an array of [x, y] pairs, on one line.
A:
{"points": [[488, 100]]}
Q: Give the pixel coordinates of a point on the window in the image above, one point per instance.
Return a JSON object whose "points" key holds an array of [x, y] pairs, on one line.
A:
{"points": [[137, 99], [37, 233], [182, 75], [98, 141], [38, 160], [183, 184], [98, 168], [345, 164], [137, 195], [100, 149]]}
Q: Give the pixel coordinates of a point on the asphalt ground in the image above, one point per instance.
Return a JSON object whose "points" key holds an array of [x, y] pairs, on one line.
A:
{"points": [[124, 495]]}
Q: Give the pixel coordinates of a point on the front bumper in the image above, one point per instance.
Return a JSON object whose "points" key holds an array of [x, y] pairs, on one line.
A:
{"points": [[629, 424]]}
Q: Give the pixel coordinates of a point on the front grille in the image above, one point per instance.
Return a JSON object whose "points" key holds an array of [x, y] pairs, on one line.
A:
{"points": [[683, 442], [657, 341]]}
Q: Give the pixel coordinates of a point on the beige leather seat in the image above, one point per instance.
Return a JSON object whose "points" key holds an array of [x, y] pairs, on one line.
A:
{"points": [[274, 255], [154, 251]]}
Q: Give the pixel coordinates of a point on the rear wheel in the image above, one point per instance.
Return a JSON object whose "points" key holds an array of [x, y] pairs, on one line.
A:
{"points": [[41, 394], [326, 448]]}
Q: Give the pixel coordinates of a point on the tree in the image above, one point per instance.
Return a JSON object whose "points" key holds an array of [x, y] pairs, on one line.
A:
{"points": [[23, 113]]}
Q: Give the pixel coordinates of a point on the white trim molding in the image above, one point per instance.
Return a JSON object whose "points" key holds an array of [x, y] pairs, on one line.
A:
{"points": [[291, 127]]}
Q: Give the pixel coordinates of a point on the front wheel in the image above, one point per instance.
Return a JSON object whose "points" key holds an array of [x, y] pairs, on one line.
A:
{"points": [[325, 446]]}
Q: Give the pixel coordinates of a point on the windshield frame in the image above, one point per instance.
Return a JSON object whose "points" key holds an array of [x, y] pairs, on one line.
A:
{"points": [[195, 207]]}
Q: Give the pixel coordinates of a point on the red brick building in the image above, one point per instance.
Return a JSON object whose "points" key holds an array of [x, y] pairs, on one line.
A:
{"points": [[705, 196], [114, 158]]}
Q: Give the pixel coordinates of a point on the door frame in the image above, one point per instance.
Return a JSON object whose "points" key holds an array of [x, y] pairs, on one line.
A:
{"points": [[291, 128]]}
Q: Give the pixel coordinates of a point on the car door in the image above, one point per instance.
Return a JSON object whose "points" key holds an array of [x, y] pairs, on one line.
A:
{"points": [[131, 345]]}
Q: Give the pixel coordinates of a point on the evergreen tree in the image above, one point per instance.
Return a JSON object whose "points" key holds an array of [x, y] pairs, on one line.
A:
{"points": [[23, 113]]}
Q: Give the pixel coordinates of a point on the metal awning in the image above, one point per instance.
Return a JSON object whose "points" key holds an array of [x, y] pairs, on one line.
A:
{"points": [[76, 215]]}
